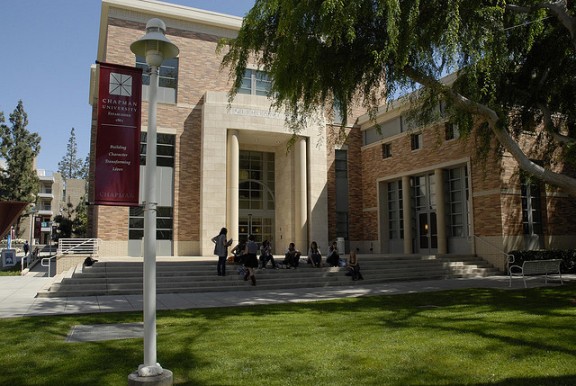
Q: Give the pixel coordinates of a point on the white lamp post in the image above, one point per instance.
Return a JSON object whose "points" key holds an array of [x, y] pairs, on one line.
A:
{"points": [[155, 47]]}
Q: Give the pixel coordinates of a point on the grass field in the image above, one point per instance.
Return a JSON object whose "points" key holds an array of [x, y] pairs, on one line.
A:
{"points": [[461, 337]]}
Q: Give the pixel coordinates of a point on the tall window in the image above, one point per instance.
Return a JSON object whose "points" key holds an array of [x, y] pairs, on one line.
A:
{"points": [[256, 195], [531, 206], [395, 211], [164, 149], [457, 180], [342, 208], [255, 83], [167, 79], [337, 116], [164, 218], [256, 188]]}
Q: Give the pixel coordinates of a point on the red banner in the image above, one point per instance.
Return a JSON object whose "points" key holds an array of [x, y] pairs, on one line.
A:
{"points": [[117, 172]]}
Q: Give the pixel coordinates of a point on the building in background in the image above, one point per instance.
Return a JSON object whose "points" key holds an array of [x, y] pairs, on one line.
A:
{"points": [[53, 197]]}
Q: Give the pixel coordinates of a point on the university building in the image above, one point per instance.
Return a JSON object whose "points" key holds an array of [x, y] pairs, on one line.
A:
{"points": [[400, 189]]}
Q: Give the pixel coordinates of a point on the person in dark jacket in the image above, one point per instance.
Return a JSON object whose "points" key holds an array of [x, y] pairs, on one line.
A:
{"points": [[250, 259], [333, 258]]}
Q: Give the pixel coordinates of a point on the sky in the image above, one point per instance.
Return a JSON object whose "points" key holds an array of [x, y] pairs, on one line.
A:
{"points": [[48, 47]]}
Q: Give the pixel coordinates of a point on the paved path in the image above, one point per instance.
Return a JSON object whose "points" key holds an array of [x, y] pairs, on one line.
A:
{"points": [[17, 295]]}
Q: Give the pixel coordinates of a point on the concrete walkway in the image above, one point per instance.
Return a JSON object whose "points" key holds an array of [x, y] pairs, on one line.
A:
{"points": [[17, 295]]}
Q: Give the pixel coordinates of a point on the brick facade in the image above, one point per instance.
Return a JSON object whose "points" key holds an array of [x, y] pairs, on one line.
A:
{"points": [[201, 118]]}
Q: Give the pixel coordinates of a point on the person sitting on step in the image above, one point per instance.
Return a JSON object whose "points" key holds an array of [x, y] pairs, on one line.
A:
{"points": [[266, 255], [354, 267], [333, 258], [292, 257], [314, 255]]}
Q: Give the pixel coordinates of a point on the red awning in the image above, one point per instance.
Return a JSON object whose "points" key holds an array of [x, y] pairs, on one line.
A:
{"points": [[9, 212]]}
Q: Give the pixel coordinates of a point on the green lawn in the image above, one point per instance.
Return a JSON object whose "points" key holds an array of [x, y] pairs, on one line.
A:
{"points": [[463, 337]]}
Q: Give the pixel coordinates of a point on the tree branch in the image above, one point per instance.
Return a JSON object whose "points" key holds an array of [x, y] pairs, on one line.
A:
{"points": [[551, 128], [558, 8], [503, 136]]}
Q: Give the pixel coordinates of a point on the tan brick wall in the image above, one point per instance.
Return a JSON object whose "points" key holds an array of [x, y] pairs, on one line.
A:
{"points": [[199, 71]]}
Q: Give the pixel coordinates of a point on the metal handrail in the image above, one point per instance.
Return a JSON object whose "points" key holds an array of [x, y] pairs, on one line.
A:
{"points": [[509, 258], [73, 246], [43, 263]]}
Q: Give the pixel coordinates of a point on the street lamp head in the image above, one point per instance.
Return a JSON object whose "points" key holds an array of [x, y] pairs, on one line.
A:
{"points": [[155, 46]]}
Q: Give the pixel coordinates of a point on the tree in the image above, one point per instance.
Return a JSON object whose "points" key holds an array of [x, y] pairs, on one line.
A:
{"points": [[80, 222], [514, 64], [72, 221], [71, 166], [18, 148]]}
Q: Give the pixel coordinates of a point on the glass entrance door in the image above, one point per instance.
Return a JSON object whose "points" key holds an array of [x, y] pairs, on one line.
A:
{"points": [[427, 232], [425, 209], [256, 196]]}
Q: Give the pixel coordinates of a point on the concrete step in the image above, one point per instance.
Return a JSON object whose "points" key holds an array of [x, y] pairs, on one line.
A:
{"points": [[126, 278]]}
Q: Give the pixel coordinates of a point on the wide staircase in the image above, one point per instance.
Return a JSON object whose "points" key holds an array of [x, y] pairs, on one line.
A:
{"points": [[126, 277]]}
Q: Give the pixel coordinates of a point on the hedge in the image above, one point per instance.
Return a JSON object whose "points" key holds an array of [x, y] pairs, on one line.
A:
{"points": [[568, 257]]}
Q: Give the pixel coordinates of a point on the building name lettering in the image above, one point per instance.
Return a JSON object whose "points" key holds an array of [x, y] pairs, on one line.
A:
{"points": [[256, 113], [119, 105]]}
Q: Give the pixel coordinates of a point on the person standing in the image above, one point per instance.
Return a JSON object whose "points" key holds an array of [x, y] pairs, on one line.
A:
{"points": [[221, 250], [26, 248], [250, 259]]}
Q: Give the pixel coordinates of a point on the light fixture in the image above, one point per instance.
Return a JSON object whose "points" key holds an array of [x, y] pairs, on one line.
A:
{"points": [[155, 47]]}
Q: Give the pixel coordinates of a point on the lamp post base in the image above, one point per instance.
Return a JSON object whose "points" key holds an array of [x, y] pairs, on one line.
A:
{"points": [[164, 379]]}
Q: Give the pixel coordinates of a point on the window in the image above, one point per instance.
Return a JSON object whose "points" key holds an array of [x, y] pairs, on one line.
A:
{"points": [[164, 149], [457, 183], [531, 206], [163, 223], [341, 193], [337, 116], [167, 79], [341, 164], [382, 131], [451, 131], [416, 141], [256, 185], [255, 83], [386, 150], [342, 225], [395, 211]]}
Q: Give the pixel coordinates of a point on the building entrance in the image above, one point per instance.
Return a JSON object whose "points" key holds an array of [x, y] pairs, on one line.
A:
{"points": [[256, 207], [425, 210]]}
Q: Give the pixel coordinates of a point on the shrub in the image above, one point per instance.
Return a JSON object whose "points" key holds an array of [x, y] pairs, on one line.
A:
{"points": [[568, 257]]}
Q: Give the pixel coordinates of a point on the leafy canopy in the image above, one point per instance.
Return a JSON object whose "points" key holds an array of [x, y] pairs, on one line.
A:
{"points": [[513, 63], [18, 149]]}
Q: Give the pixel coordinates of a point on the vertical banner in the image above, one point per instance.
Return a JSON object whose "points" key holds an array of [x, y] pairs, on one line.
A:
{"points": [[117, 168]]}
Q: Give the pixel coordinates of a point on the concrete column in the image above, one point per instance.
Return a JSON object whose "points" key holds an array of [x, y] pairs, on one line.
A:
{"points": [[300, 196], [232, 171], [440, 211], [406, 209]]}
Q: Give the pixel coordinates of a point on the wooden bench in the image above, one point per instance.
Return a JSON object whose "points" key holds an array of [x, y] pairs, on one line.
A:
{"points": [[535, 267]]}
